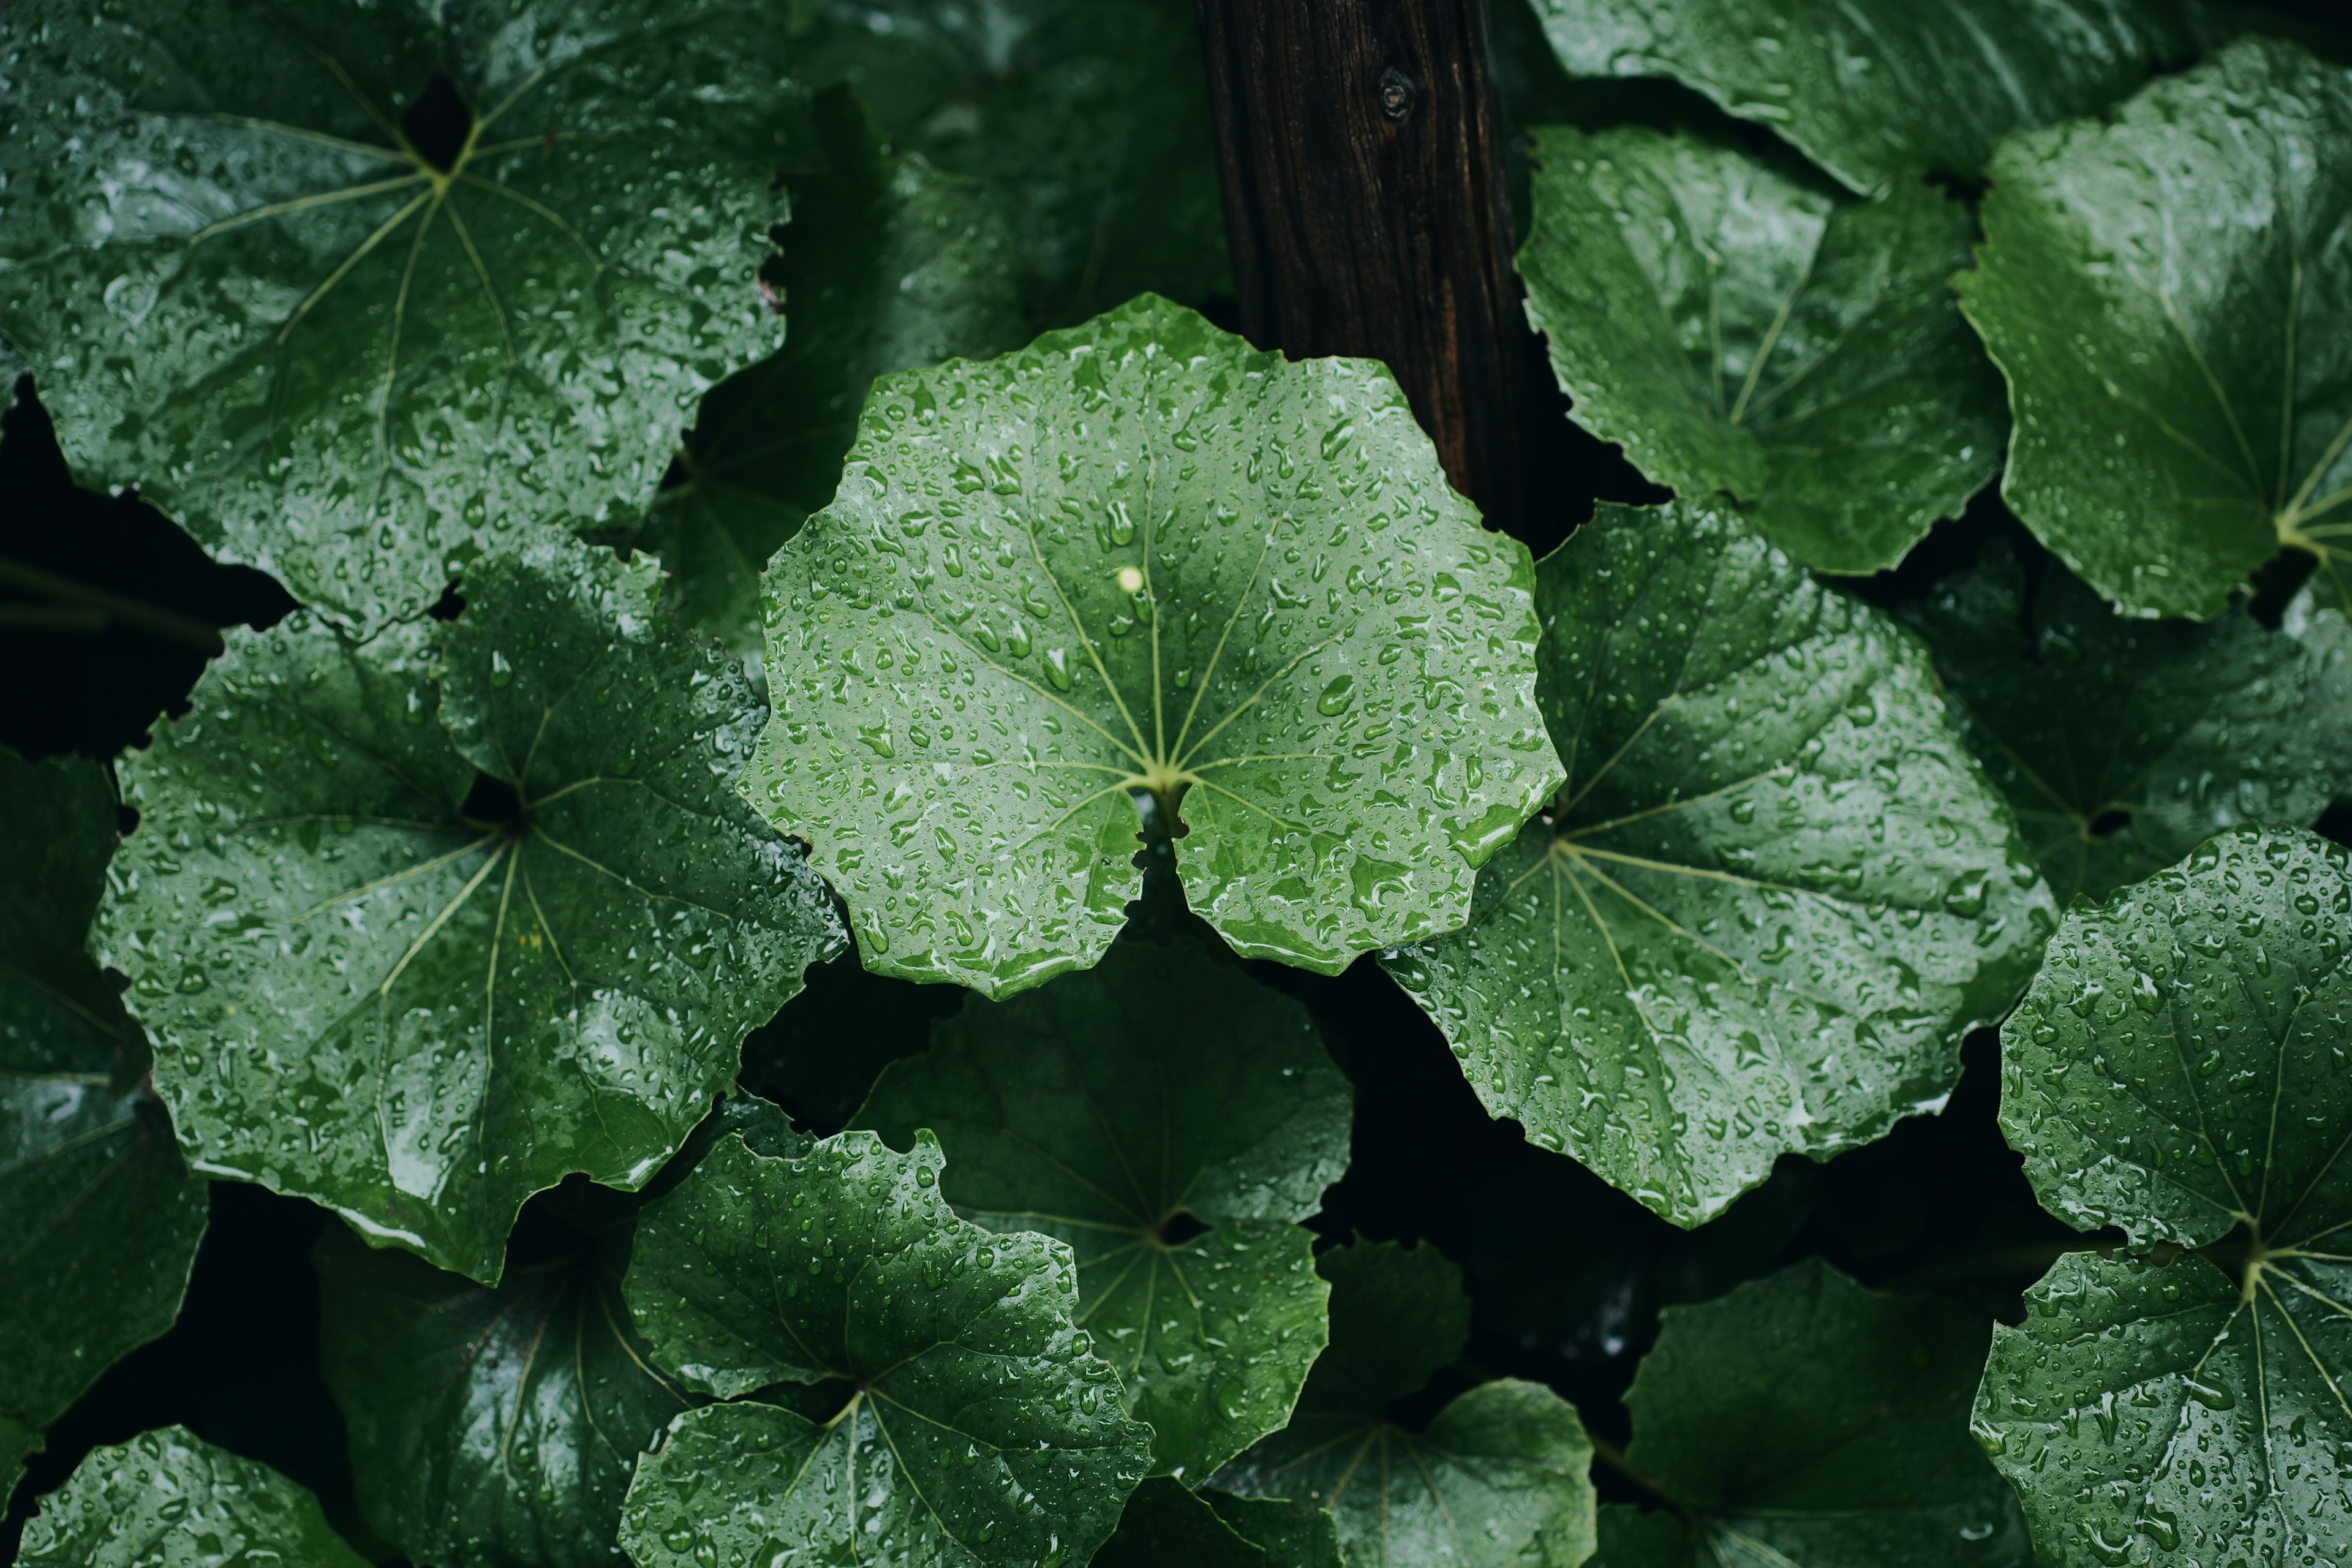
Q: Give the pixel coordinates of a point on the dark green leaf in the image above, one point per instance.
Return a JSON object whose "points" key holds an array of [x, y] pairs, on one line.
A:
{"points": [[1290, 1539], [1141, 556], [169, 1500], [1736, 331], [418, 998], [1774, 895], [337, 359], [2164, 291], [1099, 1109], [2179, 1069], [1165, 1526]]}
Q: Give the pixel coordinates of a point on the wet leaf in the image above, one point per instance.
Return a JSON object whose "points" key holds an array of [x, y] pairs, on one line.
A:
{"points": [[1108, 1110], [1773, 896], [2178, 1070], [1165, 1526], [1140, 556], [2161, 290], [1866, 1397], [980, 1427], [1289, 1538], [169, 1500], [419, 995], [1736, 330], [1498, 1479], [357, 294]]}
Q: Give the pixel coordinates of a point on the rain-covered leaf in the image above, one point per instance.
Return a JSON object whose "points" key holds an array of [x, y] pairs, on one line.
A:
{"points": [[1773, 896], [1873, 89], [418, 993], [2178, 1070], [358, 290], [979, 1427], [1869, 1461], [1166, 1526], [1158, 1094], [170, 1499], [1141, 556], [2121, 744], [2165, 289], [891, 264], [1735, 330], [1498, 1479], [98, 1217]]}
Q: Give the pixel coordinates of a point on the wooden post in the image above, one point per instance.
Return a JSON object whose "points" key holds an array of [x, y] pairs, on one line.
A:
{"points": [[1366, 205]]}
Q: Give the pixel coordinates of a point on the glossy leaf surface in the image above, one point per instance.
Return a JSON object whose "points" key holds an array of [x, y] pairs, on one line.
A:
{"points": [[2177, 1070], [418, 998], [1736, 330], [1773, 896], [1140, 556], [169, 1500], [360, 292], [1103, 1109], [2165, 292], [981, 1427]]}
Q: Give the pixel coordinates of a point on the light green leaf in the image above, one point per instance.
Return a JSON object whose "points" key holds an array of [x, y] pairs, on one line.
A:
{"points": [[891, 265], [1289, 1538], [1866, 1398], [331, 356], [2163, 289], [1736, 330], [1872, 88], [979, 1429], [169, 1500], [2121, 744], [98, 1217], [1165, 1526], [1774, 895], [1141, 556], [419, 997], [1106, 1109], [1498, 1478], [2178, 1070]]}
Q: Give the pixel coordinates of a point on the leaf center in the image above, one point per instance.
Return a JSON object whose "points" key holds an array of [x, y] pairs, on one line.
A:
{"points": [[494, 804], [439, 127]]}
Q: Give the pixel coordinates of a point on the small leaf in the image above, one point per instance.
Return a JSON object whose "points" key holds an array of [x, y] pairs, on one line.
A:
{"points": [[1165, 1526], [1736, 330], [1141, 556], [1107, 1108], [169, 1497]]}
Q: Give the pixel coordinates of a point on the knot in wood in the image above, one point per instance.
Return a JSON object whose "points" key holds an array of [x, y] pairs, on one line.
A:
{"points": [[1397, 93]]}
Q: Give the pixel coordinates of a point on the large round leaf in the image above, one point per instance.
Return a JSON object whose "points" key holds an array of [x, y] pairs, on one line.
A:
{"points": [[356, 290], [2165, 291], [980, 1427], [1105, 1110], [170, 1499], [418, 995], [2178, 1070], [1773, 896], [1734, 330], [1139, 556], [1498, 1478]]}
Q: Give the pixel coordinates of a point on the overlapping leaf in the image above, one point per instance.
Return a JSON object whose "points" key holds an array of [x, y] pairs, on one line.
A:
{"points": [[358, 292], [1166, 1526], [1735, 330], [1107, 1109], [419, 993], [171, 1498], [1773, 896], [2178, 1070], [1498, 1477], [2165, 291], [1141, 556], [980, 1427]]}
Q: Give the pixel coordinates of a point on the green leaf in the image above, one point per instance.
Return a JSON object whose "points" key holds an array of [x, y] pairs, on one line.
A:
{"points": [[980, 1427], [330, 356], [1107, 1107], [2160, 289], [418, 997], [99, 1215], [1141, 556], [1866, 1397], [1736, 330], [1872, 88], [1498, 1479], [1165, 1526], [2177, 1070], [18, 1443], [1774, 895], [2121, 744], [1290, 1540], [892, 264], [169, 1500]]}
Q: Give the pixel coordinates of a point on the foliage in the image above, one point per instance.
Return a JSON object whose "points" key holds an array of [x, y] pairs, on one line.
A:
{"points": [[169, 1497]]}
